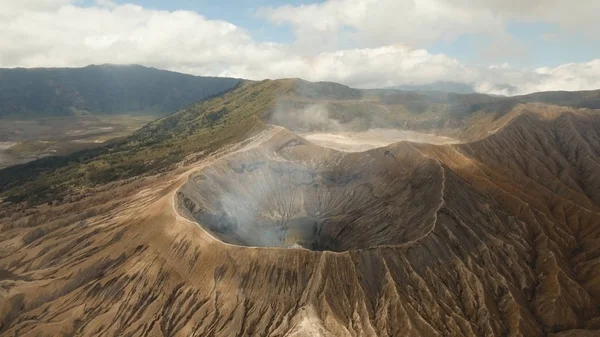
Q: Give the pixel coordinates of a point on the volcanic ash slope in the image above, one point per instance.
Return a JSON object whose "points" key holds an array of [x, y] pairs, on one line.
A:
{"points": [[496, 237]]}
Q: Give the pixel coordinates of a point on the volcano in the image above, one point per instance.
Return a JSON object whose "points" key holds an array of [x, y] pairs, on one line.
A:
{"points": [[290, 193], [477, 216]]}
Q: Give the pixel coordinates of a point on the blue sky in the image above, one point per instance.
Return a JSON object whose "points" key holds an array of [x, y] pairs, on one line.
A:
{"points": [[542, 45], [549, 45]]}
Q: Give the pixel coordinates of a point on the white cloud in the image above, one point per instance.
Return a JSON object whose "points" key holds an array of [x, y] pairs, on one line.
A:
{"points": [[385, 66], [417, 23], [579, 15], [36, 33], [396, 65], [11, 7], [571, 77], [69, 35], [378, 22]]}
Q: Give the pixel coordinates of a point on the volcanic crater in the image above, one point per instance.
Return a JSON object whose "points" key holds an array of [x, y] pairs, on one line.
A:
{"points": [[291, 193]]}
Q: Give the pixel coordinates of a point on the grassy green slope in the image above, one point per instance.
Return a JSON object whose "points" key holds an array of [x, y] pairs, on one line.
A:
{"points": [[204, 126]]}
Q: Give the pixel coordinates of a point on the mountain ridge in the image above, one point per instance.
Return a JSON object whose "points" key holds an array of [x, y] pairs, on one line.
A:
{"points": [[235, 114], [101, 89]]}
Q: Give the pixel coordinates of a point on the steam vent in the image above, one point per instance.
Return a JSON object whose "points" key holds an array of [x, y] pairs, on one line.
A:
{"points": [[291, 193]]}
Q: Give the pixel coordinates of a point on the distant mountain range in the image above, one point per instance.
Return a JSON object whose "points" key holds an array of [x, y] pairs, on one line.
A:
{"points": [[102, 89], [453, 87], [445, 86]]}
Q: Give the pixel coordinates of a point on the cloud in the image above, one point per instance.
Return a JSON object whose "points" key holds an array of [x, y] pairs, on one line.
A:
{"points": [[397, 65], [70, 35], [504, 80], [580, 15], [385, 66], [418, 23], [38, 33], [381, 22]]}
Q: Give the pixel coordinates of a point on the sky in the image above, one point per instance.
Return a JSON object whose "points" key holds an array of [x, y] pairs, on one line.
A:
{"points": [[505, 47]]}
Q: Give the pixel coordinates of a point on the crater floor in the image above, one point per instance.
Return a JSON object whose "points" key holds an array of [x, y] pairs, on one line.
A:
{"points": [[373, 138]]}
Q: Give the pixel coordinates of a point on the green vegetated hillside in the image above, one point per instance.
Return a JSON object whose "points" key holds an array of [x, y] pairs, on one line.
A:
{"points": [[206, 126], [102, 89]]}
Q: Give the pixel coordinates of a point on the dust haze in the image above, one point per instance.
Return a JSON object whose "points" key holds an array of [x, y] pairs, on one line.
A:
{"points": [[314, 117], [349, 141], [315, 123]]}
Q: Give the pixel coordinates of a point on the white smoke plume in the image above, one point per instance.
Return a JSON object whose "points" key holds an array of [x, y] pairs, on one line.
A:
{"points": [[314, 117]]}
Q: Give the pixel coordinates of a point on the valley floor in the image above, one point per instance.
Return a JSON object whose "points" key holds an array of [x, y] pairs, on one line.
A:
{"points": [[22, 141]]}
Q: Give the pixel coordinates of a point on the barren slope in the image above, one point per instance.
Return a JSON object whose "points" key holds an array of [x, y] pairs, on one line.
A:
{"points": [[494, 237]]}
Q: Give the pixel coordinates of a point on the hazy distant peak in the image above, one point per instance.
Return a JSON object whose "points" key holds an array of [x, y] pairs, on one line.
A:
{"points": [[445, 86]]}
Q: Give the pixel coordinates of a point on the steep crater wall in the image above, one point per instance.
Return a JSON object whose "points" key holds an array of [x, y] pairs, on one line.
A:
{"points": [[292, 193]]}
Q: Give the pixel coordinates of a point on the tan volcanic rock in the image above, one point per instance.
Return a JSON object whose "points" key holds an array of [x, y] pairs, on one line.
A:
{"points": [[495, 237]]}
